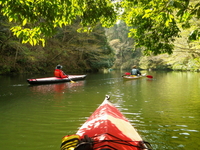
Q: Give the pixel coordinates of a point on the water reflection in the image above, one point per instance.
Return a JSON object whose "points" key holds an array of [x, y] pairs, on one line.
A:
{"points": [[58, 88]]}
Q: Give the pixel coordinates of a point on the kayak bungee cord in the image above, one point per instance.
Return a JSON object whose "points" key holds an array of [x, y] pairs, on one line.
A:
{"points": [[117, 141], [73, 142], [144, 145]]}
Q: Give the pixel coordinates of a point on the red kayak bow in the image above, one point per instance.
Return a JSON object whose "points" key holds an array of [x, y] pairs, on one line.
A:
{"points": [[108, 129]]}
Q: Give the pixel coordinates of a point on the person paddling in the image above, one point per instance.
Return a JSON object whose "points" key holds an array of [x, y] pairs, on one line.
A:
{"points": [[59, 73], [135, 71]]}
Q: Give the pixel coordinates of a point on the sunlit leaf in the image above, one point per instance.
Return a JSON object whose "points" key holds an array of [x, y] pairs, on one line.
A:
{"points": [[24, 22], [31, 42], [34, 41], [17, 33], [10, 19]]}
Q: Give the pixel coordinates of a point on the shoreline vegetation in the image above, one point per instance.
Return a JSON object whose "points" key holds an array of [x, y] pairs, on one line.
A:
{"points": [[83, 52]]}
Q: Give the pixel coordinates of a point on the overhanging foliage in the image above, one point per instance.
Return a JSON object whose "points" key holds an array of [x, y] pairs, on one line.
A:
{"points": [[155, 23]]}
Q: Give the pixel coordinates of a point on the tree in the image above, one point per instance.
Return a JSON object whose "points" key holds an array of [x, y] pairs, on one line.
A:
{"points": [[35, 20], [155, 23]]}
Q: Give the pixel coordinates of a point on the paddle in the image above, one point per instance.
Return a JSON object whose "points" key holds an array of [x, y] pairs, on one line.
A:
{"points": [[126, 74], [71, 80]]}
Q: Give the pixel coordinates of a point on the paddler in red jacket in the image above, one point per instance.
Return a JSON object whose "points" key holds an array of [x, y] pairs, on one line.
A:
{"points": [[59, 73]]}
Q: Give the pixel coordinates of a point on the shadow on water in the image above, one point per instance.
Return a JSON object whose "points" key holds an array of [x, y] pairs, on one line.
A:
{"points": [[57, 87]]}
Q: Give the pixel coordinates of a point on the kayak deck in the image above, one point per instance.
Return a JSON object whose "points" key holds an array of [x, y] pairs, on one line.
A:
{"points": [[108, 129], [131, 77]]}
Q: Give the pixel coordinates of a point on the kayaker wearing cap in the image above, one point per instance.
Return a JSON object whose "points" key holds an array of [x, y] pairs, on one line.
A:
{"points": [[59, 73], [135, 71]]}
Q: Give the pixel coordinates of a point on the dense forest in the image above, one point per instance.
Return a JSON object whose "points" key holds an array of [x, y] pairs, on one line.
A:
{"points": [[185, 57], [85, 36], [77, 52]]}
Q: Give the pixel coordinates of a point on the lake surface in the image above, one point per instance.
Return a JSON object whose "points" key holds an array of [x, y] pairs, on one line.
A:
{"points": [[164, 110]]}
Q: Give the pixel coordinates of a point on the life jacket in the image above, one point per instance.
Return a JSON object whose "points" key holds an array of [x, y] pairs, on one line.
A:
{"points": [[57, 73]]}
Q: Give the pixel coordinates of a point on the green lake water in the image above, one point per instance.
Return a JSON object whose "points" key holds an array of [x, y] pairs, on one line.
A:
{"points": [[164, 110]]}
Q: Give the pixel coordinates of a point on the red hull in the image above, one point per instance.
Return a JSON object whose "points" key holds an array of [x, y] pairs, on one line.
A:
{"points": [[49, 80], [108, 127]]}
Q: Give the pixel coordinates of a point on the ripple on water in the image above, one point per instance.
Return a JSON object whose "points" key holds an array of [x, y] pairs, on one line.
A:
{"points": [[174, 137]]}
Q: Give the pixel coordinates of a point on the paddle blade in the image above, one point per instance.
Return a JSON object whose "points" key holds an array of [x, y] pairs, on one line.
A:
{"points": [[72, 81], [127, 73], [149, 76]]}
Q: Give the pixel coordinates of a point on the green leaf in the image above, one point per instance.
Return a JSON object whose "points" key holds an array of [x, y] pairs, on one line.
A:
{"points": [[10, 19], [34, 41], [17, 33], [31, 42], [198, 13], [24, 22]]}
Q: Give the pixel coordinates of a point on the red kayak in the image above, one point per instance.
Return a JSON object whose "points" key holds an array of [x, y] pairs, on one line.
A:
{"points": [[49, 80], [106, 129]]}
